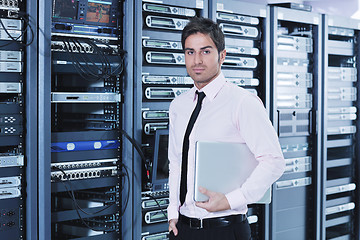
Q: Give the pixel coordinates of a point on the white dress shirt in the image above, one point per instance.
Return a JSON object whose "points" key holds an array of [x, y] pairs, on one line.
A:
{"points": [[229, 114]]}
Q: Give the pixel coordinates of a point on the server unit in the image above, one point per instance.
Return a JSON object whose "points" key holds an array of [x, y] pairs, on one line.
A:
{"points": [[340, 176], [295, 72], [245, 30], [160, 76], [86, 97]]}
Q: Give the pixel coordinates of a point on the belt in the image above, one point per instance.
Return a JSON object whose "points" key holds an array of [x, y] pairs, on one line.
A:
{"points": [[195, 223]]}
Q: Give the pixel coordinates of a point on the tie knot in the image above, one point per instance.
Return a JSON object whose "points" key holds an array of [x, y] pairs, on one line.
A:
{"points": [[201, 95]]}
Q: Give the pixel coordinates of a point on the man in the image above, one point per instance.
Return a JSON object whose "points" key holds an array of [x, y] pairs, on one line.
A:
{"points": [[228, 114]]}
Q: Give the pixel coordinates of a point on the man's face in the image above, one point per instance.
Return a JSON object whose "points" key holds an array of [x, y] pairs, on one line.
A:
{"points": [[202, 59]]}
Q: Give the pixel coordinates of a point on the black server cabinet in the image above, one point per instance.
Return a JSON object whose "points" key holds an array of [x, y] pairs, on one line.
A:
{"points": [[340, 211], [246, 35], [16, 35], [160, 75], [87, 172], [295, 74]]}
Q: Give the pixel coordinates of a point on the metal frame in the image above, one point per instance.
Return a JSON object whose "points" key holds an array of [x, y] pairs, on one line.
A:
{"points": [[323, 131], [318, 108], [357, 152], [129, 228], [44, 119], [267, 102], [31, 141]]}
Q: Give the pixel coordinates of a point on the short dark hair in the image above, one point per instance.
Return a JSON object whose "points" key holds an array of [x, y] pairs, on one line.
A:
{"points": [[204, 26]]}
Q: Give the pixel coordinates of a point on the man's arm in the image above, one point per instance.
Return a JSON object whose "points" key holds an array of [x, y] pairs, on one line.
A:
{"points": [[260, 136], [174, 169]]}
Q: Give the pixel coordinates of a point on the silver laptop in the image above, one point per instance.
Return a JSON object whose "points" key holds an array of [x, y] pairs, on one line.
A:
{"points": [[223, 167]]}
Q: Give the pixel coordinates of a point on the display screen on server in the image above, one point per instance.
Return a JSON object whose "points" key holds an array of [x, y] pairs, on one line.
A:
{"points": [[98, 12], [162, 170], [160, 173], [65, 9]]}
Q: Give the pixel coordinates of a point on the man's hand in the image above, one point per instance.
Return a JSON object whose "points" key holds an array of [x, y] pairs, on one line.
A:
{"points": [[217, 201], [172, 226]]}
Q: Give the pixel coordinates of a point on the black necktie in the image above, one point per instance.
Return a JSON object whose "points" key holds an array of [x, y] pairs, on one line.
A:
{"points": [[185, 151]]}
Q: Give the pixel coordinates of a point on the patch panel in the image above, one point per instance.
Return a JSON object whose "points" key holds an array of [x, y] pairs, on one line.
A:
{"points": [[85, 173], [85, 164], [81, 47], [12, 5]]}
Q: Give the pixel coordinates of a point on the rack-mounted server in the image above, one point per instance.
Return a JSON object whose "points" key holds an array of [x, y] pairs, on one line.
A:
{"points": [[295, 75], [340, 129]]}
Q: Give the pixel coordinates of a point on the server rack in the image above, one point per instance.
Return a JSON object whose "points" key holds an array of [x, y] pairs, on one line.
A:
{"points": [[340, 175], [246, 35], [80, 117], [295, 74], [16, 35], [159, 76]]}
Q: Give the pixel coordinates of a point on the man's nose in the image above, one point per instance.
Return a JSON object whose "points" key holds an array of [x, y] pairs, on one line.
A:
{"points": [[198, 58]]}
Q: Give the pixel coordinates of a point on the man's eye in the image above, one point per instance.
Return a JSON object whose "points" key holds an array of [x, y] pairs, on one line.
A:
{"points": [[189, 52], [206, 52]]}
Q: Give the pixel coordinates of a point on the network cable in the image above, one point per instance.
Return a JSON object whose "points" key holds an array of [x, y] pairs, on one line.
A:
{"points": [[85, 63], [78, 208]]}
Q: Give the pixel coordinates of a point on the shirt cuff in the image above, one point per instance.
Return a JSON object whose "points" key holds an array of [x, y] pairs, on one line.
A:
{"points": [[236, 199], [173, 213]]}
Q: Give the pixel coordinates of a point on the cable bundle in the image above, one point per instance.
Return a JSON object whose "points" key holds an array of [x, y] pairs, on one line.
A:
{"points": [[84, 63], [68, 186]]}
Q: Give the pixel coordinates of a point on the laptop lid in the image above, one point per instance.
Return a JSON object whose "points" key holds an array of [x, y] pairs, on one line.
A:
{"points": [[223, 167]]}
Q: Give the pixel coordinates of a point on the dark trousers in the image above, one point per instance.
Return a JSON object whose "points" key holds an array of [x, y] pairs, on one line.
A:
{"points": [[234, 231]]}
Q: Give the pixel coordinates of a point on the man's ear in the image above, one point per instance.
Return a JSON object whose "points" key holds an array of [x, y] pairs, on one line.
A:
{"points": [[222, 56]]}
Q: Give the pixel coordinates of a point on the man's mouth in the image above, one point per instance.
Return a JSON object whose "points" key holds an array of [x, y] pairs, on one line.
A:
{"points": [[198, 70]]}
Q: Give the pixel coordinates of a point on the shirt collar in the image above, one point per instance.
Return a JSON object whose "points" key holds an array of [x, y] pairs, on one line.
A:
{"points": [[213, 88]]}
